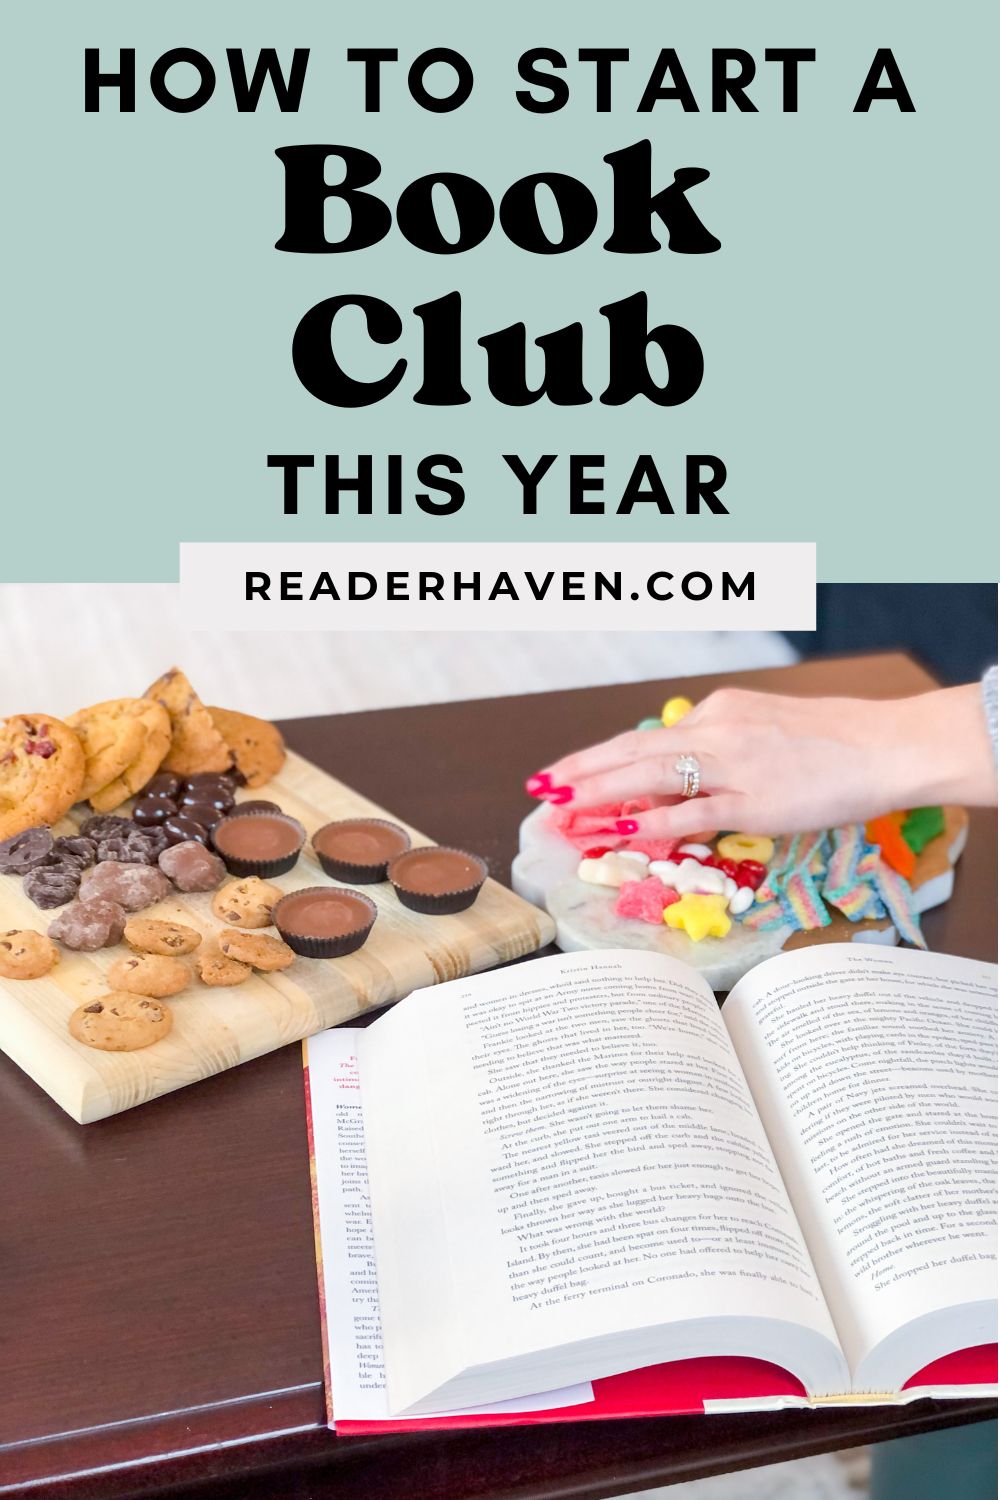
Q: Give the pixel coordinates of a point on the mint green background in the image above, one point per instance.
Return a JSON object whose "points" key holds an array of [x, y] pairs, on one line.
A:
{"points": [[847, 321]]}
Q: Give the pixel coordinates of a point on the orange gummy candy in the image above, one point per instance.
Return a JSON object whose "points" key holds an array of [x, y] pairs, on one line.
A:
{"points": [[896, 852]]}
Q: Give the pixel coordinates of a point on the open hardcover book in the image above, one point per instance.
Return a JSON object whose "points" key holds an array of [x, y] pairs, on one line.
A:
{"points": [[574, 1188]]}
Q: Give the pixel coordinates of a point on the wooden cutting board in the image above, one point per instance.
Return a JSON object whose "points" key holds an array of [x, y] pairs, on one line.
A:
{"points": [[215, 1029]]}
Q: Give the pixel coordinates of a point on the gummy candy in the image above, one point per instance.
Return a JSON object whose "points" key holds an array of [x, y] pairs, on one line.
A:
{"points": [[897, 853], [650, 724], [566, 820], [923, 824], [699, 916], [741, 846], [645, 900], [674, 710], [655, 848], [610, 869], [750, 872]]}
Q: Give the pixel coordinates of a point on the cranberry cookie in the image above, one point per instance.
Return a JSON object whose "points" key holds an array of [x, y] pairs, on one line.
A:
{"points": [[41, 771]]}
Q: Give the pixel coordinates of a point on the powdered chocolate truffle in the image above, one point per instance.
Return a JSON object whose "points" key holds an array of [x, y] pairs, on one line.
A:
{"points": [[359, 849], [192, 867], [437, 881]]}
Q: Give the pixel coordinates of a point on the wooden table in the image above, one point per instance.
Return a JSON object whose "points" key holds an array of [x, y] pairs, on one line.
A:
{"points": [[158, 1315]]}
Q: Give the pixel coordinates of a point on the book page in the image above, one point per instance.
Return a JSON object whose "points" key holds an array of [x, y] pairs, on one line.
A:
{"points": [[348, 1285], [565, 1151], [874, 1070]]}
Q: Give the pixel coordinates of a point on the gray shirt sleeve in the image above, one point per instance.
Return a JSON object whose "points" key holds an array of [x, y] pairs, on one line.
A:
{"points": [[990, 704]]}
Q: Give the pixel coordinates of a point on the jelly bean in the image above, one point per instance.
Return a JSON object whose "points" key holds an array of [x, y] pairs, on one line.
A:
{"points": [[699, 916], [744, 846], [750, 873], [696, 851], [674, 710], [649, 724], [741, 901]]}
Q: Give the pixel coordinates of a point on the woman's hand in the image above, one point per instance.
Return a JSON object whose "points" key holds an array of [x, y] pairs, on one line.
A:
{"points": [[771, 764]]}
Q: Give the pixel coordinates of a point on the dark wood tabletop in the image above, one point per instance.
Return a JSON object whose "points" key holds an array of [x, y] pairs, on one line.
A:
{"points": [[159, 1326]]}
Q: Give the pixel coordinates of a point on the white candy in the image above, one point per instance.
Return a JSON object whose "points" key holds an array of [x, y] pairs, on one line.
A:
{"points": [[611, 869], [700, 851], [731, 887], [666, 869], [636, 854], [742, 901], [702, 880]]}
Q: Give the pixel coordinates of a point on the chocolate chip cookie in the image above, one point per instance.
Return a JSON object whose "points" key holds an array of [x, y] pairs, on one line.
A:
{"points": [[256, 949], [151, 935], [25, 954], [246, 903], [120, 1022], [149, 974]]}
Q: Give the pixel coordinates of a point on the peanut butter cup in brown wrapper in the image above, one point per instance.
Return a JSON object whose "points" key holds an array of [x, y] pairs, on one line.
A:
{"points": [[322, 921], [437, 881], [358, 850], [259, 843]]}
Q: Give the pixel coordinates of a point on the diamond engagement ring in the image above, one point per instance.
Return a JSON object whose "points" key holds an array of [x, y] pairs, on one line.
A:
{"points": [[688, 767]]}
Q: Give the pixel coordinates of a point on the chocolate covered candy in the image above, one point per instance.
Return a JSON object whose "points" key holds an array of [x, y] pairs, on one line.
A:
{"points": [[163, 785], [132, 886], [151, 811], [74, 849], [192, 867], [89, 925], [181, 829], [52, 885], [139, 846], [24, 851]]}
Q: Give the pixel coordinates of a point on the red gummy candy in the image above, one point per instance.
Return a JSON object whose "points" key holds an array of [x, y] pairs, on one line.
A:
{"points": [[578, 826], [654, 848], [597, 852], [645, 900], [750, 872]]}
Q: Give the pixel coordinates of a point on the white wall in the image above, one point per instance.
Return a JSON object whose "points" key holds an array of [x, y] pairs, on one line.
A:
{"points": [[66, 645]]}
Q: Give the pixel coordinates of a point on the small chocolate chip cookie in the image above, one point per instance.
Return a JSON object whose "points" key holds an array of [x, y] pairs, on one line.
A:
{"points": [[150, 935], [120, 1022], [149, 974], [219, 972], [25, 954], [256, 949], [246, 903]]}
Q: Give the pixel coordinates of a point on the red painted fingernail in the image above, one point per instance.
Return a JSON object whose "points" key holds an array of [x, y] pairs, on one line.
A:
{"points": [[558, 795], [539, 784], [626, 825]]}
